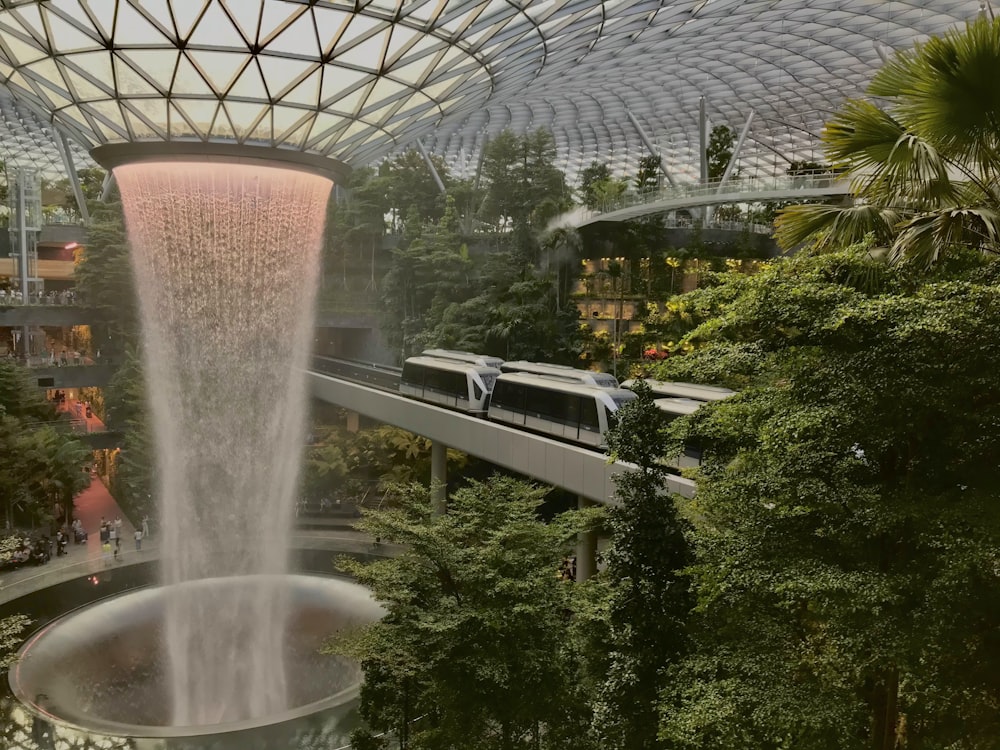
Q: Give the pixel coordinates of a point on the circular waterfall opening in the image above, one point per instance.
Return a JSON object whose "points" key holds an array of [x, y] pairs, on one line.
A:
{"points": [[104, 668]]}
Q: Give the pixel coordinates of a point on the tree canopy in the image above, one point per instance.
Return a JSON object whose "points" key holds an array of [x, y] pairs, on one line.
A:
{"points": [[846, 522]]}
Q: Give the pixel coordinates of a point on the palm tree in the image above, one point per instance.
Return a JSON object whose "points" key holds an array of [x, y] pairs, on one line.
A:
{"points": [[925, 168]]}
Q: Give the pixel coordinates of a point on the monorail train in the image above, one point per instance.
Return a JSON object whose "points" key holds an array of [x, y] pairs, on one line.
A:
{"points": [[575, 412], [679, 407], [563, 372], [667, 389], [456, 385], [483, 360]]}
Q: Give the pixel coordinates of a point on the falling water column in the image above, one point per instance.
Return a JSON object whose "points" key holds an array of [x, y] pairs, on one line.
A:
{"points": [[226, 257]]}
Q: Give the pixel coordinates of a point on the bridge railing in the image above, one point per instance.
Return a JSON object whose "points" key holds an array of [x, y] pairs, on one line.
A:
{"points": [[774, 184]]}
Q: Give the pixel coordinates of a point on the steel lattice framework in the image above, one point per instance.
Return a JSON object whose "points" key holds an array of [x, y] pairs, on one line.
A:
{"points": [[357, 80]]}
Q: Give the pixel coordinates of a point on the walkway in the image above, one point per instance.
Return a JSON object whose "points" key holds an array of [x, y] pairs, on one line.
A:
{"points": [[694, 195], [90, 506]]}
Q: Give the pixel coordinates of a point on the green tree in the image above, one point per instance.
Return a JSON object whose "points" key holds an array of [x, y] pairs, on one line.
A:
{"points": [[429, 271], [647, 177], [524, 189], [719, 150], [924, 168], [597, 173], [846, 522], [649, 595], [104, 279], [473, 641], [517, 313], [132, 478]]}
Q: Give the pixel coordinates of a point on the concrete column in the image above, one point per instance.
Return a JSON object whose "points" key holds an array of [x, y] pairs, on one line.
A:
{"points": [[586, 547], [439, 478]]}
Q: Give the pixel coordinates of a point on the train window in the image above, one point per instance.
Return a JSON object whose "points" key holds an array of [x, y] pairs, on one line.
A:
{"points": [[477, 392], [537, 402], [588, 415], [509, 396], [413, 373], [571, 416]]}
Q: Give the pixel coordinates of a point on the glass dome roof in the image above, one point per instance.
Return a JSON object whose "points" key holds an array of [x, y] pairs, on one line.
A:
{"points": [[357, 80]]}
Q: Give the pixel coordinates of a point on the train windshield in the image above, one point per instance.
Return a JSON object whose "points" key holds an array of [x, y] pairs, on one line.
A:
{"points": [[620, 401], [488, 381]]}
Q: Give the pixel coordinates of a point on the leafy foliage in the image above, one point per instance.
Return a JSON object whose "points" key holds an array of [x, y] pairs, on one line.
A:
{"points": [[924, 168], [846, 521], [473, 640], [650, 601]]}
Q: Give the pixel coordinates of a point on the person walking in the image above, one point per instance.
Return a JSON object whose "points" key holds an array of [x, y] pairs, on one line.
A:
{"points": [[118, 525], [118, 548], [145, 526], [138, 540], [113, 539]]}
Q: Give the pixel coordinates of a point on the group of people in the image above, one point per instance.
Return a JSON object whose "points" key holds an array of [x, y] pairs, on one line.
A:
{"points": [[16, 297], [111, 536]]}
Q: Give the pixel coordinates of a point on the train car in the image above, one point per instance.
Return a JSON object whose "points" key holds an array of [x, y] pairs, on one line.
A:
{"points": [[563, 372], [667, 389], [455, 385], [483, 360], [576, 412], [679, 407]]}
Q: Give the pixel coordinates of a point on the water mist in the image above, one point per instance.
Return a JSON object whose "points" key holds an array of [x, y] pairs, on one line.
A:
{"points": [[226, 257]]}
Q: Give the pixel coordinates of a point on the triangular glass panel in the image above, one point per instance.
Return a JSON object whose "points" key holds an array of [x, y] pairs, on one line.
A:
{"points": [[249, 85], [200, 112], [180, 127], [412, 74], [140, 129], [360, 26], [157, 64], [307, 92], [261, 132], [108, 112], [188, 81], [102, 15], [399, 42], [132, 28], [159, 11], [367, 54], [382, 113], [246, 15], [83, 88], [222, 127], [22, 52], [31, 19], [131, 83], [295, 136], [275, 16], [75, 116], [323, 126], [68, 38], [299, 38], [244, 117], [46, 73], [350, 103], [186, 13], [330, 24], [108, 134], [152, 111], [96, 65], [282, 72], [220, 68], [287, 119], [385, 90], [422, 49], [338, 82], [214, 29]]}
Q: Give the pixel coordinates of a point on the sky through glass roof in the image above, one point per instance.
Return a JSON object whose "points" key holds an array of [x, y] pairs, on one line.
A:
{"points": [[358, 80]]}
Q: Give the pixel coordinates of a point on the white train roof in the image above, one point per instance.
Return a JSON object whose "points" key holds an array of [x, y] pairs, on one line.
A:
{"points": [[357, 80]]}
